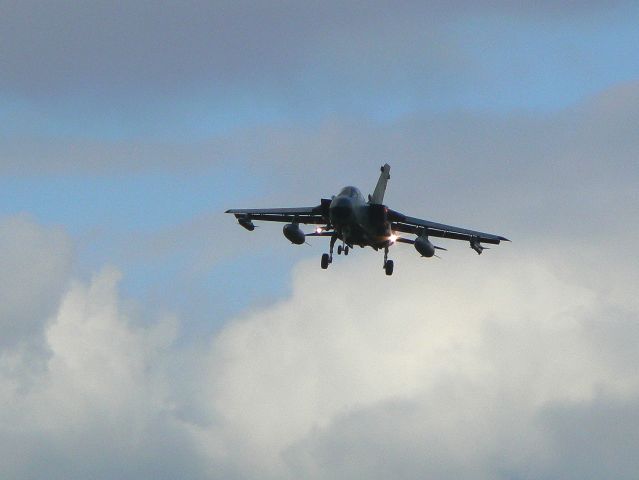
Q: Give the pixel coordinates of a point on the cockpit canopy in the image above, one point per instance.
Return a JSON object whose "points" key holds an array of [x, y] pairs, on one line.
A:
{"points": [[352, 192]]}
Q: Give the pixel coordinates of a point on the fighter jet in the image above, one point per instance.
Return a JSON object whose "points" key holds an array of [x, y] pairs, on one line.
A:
{"points": [[353, 220]]}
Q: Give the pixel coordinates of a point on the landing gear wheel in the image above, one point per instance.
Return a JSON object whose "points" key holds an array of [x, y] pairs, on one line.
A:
{"points": [[388, 267], [346, 249], [339, 249], [325, 261]]}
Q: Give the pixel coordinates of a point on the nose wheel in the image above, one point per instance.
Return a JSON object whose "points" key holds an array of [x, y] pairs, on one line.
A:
{"points": [[343, 249]]}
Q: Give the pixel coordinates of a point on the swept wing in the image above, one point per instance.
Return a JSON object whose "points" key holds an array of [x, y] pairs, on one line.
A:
{"points": [[308, 215], [417, 226]]}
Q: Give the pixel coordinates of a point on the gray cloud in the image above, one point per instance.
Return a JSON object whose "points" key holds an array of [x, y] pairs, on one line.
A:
{"points": [[581, 151], [51, 47], [593, 439], [103, 48], [36, 265], [590, 440]]}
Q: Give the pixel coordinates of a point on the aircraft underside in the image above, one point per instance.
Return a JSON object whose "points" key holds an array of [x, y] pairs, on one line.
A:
{"points": [[353, 233], [358, 235]]}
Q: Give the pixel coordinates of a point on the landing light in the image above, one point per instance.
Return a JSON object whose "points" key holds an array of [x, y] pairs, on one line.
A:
{"points": [[319, 230], [393, 238]]}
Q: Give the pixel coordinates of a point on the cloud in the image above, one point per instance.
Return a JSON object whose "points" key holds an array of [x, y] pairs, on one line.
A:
{"points": [[459, 374], [50, 46], [102, 407], [500, 366], [36, 265], [278, 56], [558, 170]]}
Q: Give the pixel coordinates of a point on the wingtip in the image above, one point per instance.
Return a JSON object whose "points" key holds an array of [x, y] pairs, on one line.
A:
{"points": [[504, 239]]}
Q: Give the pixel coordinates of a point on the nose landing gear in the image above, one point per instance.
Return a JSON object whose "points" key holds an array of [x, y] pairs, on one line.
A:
{"points": [[327, 258], [343, 248]]}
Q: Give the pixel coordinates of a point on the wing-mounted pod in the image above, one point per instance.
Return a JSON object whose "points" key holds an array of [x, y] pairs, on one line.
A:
{"points": [[475, 245], [424, 246], [246, 222], [293, 233]]}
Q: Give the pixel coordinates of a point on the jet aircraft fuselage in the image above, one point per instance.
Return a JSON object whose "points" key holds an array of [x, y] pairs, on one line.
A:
{"points": [[357, 222]]}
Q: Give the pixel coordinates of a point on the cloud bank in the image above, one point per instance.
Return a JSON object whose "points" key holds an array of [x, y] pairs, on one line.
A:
{"points": [[57, 48], [499, 367]]}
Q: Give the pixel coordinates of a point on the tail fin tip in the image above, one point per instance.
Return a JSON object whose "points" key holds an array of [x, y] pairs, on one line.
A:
{"points": [[378, 194]]}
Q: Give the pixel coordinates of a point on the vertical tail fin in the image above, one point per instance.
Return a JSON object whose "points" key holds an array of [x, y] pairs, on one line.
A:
{"points": [[378, 195]]}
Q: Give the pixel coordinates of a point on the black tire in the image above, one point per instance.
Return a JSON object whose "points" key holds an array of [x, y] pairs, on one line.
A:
{"points": [[339, 249], [346, 249], [325, 261], [388, 268]]}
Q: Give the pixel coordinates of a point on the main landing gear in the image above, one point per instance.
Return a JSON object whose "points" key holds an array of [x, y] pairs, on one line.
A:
{"points": [[327, 258], [388, 264]]}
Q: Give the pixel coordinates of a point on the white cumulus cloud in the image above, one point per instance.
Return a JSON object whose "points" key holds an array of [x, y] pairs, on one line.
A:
{"points": [[508, 365], [463, 370]]}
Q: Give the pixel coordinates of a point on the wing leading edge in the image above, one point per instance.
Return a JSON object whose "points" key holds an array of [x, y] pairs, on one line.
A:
{"points": [[417, 226], [307, 215]]}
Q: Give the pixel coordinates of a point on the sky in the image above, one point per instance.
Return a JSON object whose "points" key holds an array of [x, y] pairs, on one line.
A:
{"points": [[145, 335]]}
